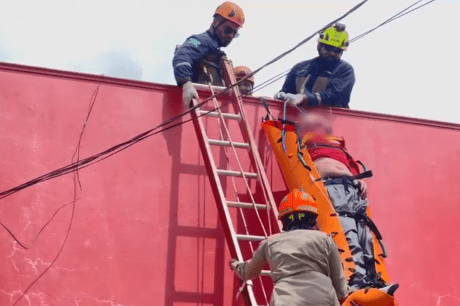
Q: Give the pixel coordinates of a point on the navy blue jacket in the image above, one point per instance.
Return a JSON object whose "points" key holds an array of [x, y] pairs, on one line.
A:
{"points": [[337, 92], [190, 53]]}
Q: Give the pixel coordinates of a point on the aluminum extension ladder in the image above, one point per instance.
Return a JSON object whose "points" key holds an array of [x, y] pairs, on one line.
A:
{"points": [[228, 159]]}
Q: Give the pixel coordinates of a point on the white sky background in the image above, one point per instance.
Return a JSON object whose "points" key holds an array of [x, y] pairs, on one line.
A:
{"points": [[408, 67]]}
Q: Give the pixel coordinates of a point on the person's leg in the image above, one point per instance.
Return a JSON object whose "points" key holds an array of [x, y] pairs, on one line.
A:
{"points": [[343, 199], [365, 240]]}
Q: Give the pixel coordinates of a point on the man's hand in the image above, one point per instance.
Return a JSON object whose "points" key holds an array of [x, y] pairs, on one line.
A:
{"points": [[221, 55], [362, 187], [233, 263], [279, 96], [188, 93], [294, 99]]}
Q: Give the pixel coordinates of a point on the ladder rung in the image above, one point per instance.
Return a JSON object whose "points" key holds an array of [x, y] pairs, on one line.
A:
{"points": [[246, 205], [216, 114], [265, 273], [237, 173], [227, 143], [250, 237]]}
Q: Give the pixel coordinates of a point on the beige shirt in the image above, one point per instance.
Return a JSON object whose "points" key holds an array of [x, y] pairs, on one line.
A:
{"points": [[305, 267]]}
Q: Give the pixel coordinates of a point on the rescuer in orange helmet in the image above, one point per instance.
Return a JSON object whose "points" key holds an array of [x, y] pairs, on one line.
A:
{"points": [[228, 19], [304, 263], [246, 86]]}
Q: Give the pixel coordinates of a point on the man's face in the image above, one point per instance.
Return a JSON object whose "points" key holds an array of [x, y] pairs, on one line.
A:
{"points": [[226, 32], [245, 87], [329, 52]]}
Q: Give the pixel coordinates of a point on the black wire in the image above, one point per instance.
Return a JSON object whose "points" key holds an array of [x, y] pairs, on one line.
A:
{"points": [[39, 232], [81, 163], [414, 9], [394, 17], [303, 41], [383, 23], [77, 183], [278, 77], [120, 147]]}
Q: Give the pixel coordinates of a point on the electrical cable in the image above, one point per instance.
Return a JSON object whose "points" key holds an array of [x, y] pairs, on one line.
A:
{"points": [[270, 81], [76, 183], [120, 147], [394, 17], [84, 162], [80, 164]]}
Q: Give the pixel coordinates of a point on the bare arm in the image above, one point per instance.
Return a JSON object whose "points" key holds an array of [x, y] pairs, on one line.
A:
{"points": [[251, 268]]}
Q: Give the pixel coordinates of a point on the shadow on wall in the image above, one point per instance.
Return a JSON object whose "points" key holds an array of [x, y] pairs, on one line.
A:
{"points": [[192, 246]]}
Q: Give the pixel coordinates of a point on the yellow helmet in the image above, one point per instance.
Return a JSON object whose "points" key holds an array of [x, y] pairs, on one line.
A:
{"points": [[335, 36]]}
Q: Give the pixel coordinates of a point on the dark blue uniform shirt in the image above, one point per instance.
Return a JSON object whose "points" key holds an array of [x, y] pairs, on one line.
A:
{"points": [[190, 53], [338, 91]]}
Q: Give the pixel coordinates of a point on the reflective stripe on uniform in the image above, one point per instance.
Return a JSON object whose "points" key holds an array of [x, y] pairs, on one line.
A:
{"points": [[183, 64]]}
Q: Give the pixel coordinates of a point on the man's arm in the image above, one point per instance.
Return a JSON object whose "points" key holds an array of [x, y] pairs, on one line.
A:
{"points": [[189, 53], [251, 268]]}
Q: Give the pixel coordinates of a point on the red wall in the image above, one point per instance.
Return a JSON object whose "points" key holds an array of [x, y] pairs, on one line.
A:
{"points": [[145, 228]]}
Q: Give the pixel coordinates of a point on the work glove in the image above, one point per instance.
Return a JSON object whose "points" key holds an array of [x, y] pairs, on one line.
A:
{"points": [[294, 99], [188, 93], [279, 96]]}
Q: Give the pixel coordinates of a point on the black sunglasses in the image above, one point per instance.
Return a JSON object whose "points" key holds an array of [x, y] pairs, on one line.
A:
{"points": [[332, 49], [228, 30]]}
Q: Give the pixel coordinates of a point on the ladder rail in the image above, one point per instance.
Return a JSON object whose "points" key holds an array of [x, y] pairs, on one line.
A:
{"points": [[213, 176], [253, 202], [218, 192], [224, 124], [245, 125], [216, 180]]}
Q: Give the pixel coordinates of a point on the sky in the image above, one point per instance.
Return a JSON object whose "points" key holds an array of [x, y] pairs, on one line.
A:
{"points": [[409, 67]]}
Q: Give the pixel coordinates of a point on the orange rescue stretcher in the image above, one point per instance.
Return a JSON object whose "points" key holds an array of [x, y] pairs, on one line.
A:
{"points": [[300, 172]]}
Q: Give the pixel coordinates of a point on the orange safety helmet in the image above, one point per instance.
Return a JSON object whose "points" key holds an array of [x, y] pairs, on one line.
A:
{"points": [[241, 72], [297, 201], [231, 12]]}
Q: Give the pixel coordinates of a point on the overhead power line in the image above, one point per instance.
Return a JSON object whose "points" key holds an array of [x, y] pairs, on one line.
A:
{"points": [[83, 163], [164, 126], [393, 18]]}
